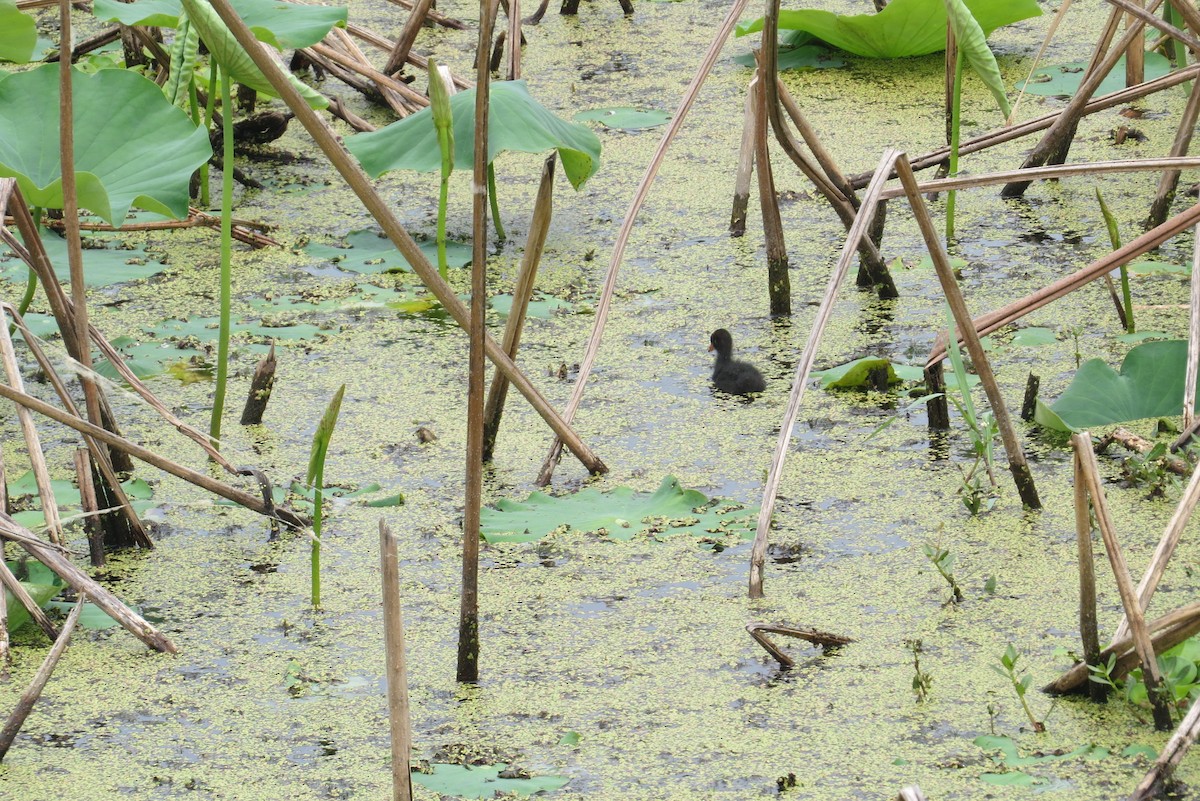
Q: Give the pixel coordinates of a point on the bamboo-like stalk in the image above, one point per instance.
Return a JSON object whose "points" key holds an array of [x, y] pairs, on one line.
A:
{"points": [[758, 552], [1165, 548], [745, 163], [397, 672], [1137, 623], [993, 320], [408, 35], [809, 135], [434, 17], [83, 583], [1172, 754], [357, 180], [149, 457], [1135, 54], [33, 443], [635, 205], [10, 581], [87, 500], [1169, 180], [1057, 137], [539, 226], [1017, 464], [779, 287], [28, 698], [403, 99], [468, 618], [1193, 356], [1088, 633]]}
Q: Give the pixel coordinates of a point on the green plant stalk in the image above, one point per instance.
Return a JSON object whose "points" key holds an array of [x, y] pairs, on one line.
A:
{"points": [[495, 203], [955, 123], [315, 478], [1114, 237], [315, 555], [208, 118], [960, 374], [31, 284], [443, 123], [214, 424]]}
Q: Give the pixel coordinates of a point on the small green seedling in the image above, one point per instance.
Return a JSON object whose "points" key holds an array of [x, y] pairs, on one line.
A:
{"points": [[316, 479], [1020, 683], [922, 681], [943, 561]]}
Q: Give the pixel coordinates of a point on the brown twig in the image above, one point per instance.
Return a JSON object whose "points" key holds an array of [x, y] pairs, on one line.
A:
{"points": [[824, 639]]}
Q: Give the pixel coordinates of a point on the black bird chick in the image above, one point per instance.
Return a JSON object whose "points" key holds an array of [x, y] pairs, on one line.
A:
{"points": [[730, 375]]}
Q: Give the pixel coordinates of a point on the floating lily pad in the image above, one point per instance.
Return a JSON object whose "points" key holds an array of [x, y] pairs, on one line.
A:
{"points": [[18, 33], [105, 261], [66, 495], [857, 373], [284, 26], [92, 617], [1011, 756], [903, 28], [1011, 779], [1034, 337], [539, 307], [367, 251], [131, 145], [629, 119], [517, 122], [1151, 267], [483, 781], [1064, 79], [620, 513], [803, 57], [1142, 336], [1150, 384]]}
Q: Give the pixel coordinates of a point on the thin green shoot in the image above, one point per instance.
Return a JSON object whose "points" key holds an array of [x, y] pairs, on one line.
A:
{"points": [[1114, 237], [443, 122], [922, 681], [208, 118], [918, 402], [1020, 682], [495, 203], [982, 428], [31, 283], [943, 562], [214, 424], [315, 478], [955, 124]]}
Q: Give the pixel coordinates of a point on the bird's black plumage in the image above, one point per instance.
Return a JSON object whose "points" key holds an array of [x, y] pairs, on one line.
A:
{"points": [[729, 374]]}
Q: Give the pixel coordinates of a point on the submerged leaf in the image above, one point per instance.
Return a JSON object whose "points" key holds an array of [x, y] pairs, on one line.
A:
{"points": [[368, 252], [483, 781], [1064, 79], [620, 513], [623, 117]]}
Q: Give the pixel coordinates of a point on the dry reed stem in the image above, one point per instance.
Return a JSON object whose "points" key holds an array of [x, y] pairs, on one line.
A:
{"points": [[397, 671], [758, 552], [408, 35], [1088, 633], [1184, 737], [1138, 12], [824, 639]]}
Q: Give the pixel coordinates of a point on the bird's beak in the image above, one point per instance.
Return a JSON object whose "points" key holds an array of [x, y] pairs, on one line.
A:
{"points": [[710, 348]]}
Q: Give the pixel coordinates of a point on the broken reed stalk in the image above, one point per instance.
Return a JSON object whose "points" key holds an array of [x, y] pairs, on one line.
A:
{"points": [[937, 408], [1008, 134], [149, 457], [1088, 633], [1136, 11], [34, 691], [824, 639], [639, 197], [91, 509], [5, 651], [397, 672], [132, 532], [1017, 464], [1165, 548], [408, 35], [1169, 180], [1154, 782], [392, 96], [1054, 143], [779, 287], [260, 389], [33, 443], [539, 226], [468, 618], [993, 320], [417, 60], [375, 205], [1135, 54], [10, 581], [83, 583], [1193, 354], [434, 17], [513, 10], [745, 163], [758, 552], [1082, 443]]}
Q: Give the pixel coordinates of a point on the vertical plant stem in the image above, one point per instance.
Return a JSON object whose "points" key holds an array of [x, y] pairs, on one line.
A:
{"points": [[495, 202], [397, 672], [1125, 303], [955, 124], [1088, 633], [209, 105], [745, 164], [468, 628], [779, 288], [1193, 354], [214, 424]]}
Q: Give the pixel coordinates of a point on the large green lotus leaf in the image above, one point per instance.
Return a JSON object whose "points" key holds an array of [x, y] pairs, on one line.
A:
{"points": [[903, 28], [1064, 79], [482, 781], [1150, 384], [131, 145], [284, 26], [621, 513], [228, 52], [18, 33], [516, 122]]}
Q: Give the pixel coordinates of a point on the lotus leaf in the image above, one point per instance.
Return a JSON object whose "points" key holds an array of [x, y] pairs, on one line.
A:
{"points": [[973, 49], [1150, 267], [1064, 79], [856, 373], [131, 145], [102, 265], [369, 252], [1034, 337], [18, 615], [18, 33], [802, 57], [903, 28], [621, 513], [1150, 384], [1012, 757], [284, 26], [92, 618], [482, 781], [542, 308], [516, 122], [630, 119]]}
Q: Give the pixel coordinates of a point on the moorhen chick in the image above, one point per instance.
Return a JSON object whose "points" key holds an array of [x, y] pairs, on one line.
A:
{"points": [[729, 374]]}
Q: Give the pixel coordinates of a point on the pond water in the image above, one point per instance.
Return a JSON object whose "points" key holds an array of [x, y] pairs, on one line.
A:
{"points": [[625, 666]]}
